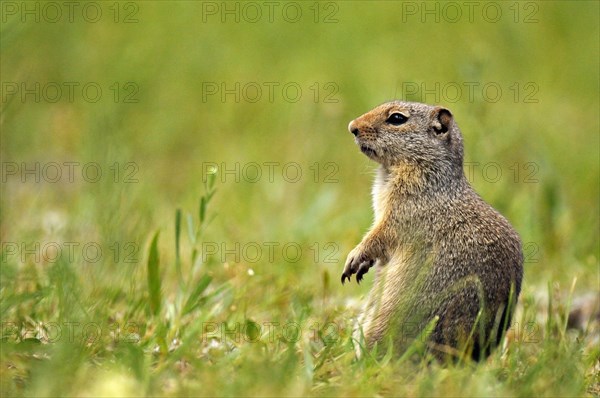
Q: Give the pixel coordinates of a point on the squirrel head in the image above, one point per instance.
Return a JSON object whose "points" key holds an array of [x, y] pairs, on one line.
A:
{"points": [[401, 133]]}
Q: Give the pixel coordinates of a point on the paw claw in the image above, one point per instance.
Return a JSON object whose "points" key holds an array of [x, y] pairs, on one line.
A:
{"points": [[358, 263], [363, 269]]}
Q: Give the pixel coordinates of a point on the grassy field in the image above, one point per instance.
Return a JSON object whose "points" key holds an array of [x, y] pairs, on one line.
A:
{"points": [[179, 190]]}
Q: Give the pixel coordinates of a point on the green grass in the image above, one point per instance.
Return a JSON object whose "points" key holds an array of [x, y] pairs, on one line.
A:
{"points": [[157, 314]]}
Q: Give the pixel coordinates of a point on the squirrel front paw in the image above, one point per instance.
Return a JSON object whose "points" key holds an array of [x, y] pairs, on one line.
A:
{"points": [[358, 262]]}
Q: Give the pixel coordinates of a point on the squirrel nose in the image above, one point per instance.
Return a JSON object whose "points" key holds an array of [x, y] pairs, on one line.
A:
{"points": [[352, 128]]}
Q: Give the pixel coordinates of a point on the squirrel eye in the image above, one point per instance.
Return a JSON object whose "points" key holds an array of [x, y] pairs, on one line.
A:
{"points": [[396, 119]]}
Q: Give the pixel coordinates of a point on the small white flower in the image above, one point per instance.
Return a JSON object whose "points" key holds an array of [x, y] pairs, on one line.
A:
{"points": [[53, 222]]}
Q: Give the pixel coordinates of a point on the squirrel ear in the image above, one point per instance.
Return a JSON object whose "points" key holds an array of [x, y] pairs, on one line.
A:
{"points": [[442, 120]]}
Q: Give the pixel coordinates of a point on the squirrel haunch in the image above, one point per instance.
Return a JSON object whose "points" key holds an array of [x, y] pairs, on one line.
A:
{"points": [[447, 263]]}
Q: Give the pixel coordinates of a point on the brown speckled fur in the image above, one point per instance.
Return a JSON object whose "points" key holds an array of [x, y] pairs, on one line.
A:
{"points": [[440, 252]]}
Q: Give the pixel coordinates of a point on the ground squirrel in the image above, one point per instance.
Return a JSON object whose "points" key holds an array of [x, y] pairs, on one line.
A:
{"points": [[446, 262]]}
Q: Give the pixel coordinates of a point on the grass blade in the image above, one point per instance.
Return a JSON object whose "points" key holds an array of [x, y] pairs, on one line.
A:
{"points": [[154, 285], [191, 229], [202, 209], [193, 300], [177, 244], [419, 344]]}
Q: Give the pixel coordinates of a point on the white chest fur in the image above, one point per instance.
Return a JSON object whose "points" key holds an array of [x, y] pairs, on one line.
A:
{"points": [[379, 192]]}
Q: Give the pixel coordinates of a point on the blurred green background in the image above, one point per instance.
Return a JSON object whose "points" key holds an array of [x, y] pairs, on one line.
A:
{"points": [[163, 117]]}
